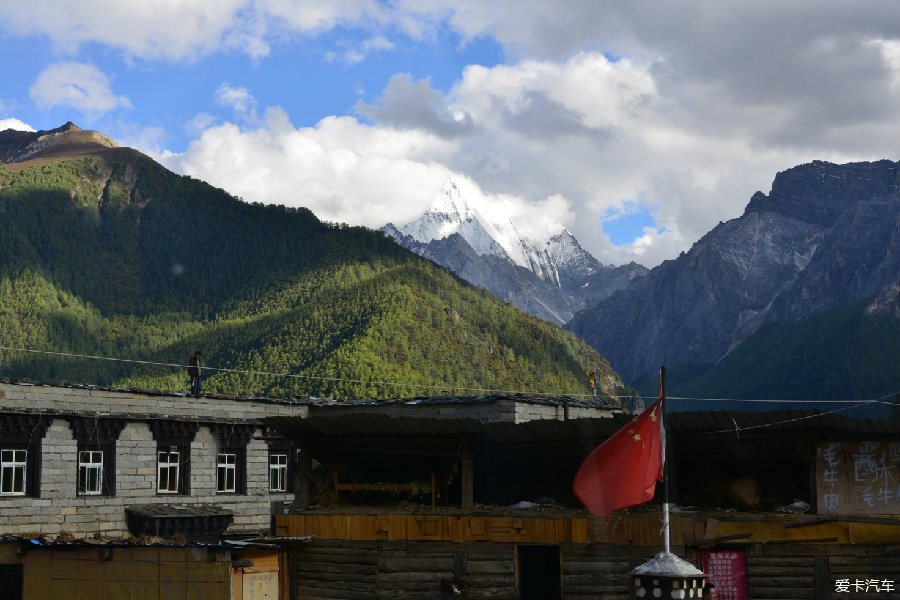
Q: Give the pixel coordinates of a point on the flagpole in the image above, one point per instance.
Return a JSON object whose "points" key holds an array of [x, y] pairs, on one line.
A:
{"points": [[662, 425]]}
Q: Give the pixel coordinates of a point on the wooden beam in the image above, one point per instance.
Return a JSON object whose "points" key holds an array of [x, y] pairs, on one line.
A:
{"points": [[467, 476], [716, 540], [845, 518]]}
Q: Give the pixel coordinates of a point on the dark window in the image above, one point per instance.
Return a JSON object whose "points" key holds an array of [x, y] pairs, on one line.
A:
{"points": [[278, 464], [281, 462], [13, 468], [96, 455], [90, 472], [20, 454], [231, 459], [168, 472], [226, 472], [173, 455]]}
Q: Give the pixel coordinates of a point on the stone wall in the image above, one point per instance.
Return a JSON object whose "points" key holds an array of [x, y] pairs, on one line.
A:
{"points": [[504, 410], [58, 399], [59, 508]]}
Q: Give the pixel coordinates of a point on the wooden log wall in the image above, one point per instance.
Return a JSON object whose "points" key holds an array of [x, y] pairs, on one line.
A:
{"points": [[811, 571], [781, 577], [406, 570], [412, 556], [403, 570], [595, 571]]}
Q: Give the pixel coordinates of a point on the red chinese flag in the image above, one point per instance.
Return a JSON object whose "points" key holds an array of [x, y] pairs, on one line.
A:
{"points": [[623, 470]]}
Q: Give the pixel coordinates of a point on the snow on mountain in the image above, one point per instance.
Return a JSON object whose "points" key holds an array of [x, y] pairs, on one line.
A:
{"points": [[450, 213], [549, 275]]}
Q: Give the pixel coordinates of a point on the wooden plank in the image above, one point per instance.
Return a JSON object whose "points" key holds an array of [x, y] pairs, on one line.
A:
{"points": [[783, 580], [460, 529], [415, 563], [319, 593], [780, 561], [341, 568], [781, 593], [485, 567], [394, 579], [595, 566]]}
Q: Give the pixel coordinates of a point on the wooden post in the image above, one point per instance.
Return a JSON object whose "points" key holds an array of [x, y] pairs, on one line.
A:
{"points": [[467, 477], [302, 475], [433, 491]]}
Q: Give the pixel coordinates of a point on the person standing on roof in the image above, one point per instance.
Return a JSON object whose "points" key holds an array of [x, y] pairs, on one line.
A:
{"points": [[195, 372]]}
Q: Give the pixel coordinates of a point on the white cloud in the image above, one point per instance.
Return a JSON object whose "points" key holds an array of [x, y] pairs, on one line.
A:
{"points": [[544, 141], [199, 123], [16, 124], [342, 170], [890, 50], [237, 98], [686, 106], [151, 139], [179, 29], [80, 86], [354, 53], [310, 16]]}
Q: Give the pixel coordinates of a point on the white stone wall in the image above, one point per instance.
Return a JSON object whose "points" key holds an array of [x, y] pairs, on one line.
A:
{"points": [[535, 412], [60, 509]]}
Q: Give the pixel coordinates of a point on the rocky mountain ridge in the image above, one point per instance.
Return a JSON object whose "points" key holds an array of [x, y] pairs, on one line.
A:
{"points": [[826, 235], [69, 139], [552, 278]]}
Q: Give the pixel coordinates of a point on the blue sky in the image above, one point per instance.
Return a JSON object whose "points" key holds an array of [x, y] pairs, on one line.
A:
{"points": [[638, 126]]}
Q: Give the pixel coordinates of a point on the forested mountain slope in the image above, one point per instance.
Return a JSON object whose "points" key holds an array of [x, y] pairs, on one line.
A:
{"points": [[848, 353], [104, 252]]}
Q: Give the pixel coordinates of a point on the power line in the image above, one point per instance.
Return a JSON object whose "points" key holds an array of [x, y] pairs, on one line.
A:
{"points": [[309, 377], [856, 402], [738, 429], [778, 401]]}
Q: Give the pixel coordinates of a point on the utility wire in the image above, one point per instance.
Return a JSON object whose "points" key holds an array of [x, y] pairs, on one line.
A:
{"points": [[856, 402], [310, 377], [738, 429], [774, 401]]}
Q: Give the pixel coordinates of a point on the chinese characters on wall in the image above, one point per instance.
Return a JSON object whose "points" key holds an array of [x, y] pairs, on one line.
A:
{"points": [[858, 477], [727, 569]]}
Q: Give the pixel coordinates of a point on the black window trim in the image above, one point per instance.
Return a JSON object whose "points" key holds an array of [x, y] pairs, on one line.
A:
{"points": [[25, 432]]}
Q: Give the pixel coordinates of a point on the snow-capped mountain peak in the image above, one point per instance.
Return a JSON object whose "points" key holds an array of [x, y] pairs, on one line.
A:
{"points": [[451, 213], [450, 201], [548, 273]]}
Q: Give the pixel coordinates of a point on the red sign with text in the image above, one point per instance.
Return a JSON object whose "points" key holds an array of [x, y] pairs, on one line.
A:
{"points": [[727, 569]]}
